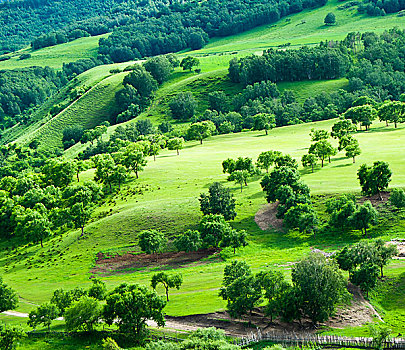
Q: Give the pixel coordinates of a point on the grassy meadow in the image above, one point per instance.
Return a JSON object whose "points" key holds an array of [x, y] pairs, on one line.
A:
{"points": [[166, 197]]}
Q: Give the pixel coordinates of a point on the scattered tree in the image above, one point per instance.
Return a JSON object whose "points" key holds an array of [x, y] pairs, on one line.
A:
{"points": [[330, 19], [364, 216], [43, 314], [309, 160], [397, 198], [201, 130], [374, 179], [219, 200], [189, 241], [353, 149], [176, 144], [266, 159], [152, 241], [168, 281], [189, 62], [240, 177], [83, 314]]}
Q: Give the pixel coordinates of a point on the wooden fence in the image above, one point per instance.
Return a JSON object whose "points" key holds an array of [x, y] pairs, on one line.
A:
{"points": [[300, 340]]}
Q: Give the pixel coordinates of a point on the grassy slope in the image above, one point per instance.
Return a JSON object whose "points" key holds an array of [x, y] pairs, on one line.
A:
{"points": [[55, 56], [94, 107], [170, 203], [311, 32]]}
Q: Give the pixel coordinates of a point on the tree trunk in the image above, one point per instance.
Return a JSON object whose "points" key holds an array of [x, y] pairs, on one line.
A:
{"points": [[379, 196], [365, 231], [241, 188], [77, 175], [245, 182], [322, 162], [82, 231], [312, 167], [395, 123], [136, 174], [154, 157], [382, 273], [329, 159], [266, 132], [167, 294], [386, 122], [234, 250], [178, 152], [42, 245]]}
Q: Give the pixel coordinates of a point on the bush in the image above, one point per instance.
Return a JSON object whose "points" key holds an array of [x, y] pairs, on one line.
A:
{"points": [[25, 56], [397, 198]]}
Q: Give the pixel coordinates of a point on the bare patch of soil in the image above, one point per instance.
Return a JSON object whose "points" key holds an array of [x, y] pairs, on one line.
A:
{"points": [[129, 262], [376, 200], [266, 218]]}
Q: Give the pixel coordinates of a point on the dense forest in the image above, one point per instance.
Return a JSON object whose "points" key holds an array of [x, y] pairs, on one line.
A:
{"points": [[182, 24], [22, 21], [190, 26], [381, 7]]}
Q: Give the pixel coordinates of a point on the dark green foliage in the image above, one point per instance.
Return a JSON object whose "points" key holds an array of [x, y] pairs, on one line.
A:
{"points": [[263, 121], [168, 281], [8, 297], [340, 210], [130, 306], [320, 285], [234, 239], [365, 277], [72, 135], [364, 216], [397, 198], [218, 101], [63, 299], [302, 217], [266, 159], [213, 228], [142, 81], [98, 289], [288, 65], [322, 149], [83, 314], [189, 241], [187, 63], [374, 179], [218, 201], [22, 89], [330, 19], [159, 67], [309, 160], [43, 314], [183, 106], [152, 241], [240, 289], [9, 337]]}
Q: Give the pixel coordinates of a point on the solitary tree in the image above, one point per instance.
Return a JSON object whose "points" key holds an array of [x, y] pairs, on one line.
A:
{"points": [[189, 62], [176, 144], [384, 253], [320, 284], [131, 306], [374, 179], [168, 281], [234, 239], [219, 200], [43, 314], [353, 149], [330, 19]]}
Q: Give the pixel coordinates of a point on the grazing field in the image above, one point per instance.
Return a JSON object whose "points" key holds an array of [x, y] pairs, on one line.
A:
{"points": [[55, 56], [166, 197], [304, 28]]}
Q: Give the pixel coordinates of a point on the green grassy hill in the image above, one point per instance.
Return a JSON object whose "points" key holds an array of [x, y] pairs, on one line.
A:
{"points": [[55, 56], [166, 197]]}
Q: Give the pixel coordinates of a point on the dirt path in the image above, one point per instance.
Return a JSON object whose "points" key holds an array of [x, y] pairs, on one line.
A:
{"points": [[266, 218]]}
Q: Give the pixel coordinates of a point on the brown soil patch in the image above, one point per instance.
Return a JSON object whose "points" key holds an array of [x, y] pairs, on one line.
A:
{"points": [[375, 200], [266, 218], [131, 261]]}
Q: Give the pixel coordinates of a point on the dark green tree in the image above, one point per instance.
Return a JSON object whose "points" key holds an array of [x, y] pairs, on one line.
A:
{"points": [[189, 62], [189, 241], [168, 281], [152, 241], [364, 216], [43, 314], [219, 200], [374, 179]]}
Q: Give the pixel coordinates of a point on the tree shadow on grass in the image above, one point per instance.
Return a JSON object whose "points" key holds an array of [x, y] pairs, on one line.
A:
{"points": [[342, 165]]}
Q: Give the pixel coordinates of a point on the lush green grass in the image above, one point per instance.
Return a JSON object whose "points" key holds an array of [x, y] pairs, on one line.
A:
{"points": [[55, 56], [297, 33], [169, 202]]}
